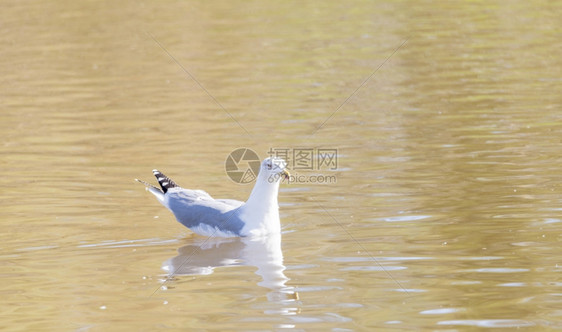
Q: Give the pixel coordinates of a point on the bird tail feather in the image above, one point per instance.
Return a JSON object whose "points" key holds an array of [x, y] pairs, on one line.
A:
{"points": [[154, 190]]}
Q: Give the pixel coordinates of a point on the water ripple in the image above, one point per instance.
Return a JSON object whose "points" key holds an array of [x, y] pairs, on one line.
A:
{"points": [[500, 270], [405, 218], [128, 243], [499, 323], [441, 311], [374, 268]]}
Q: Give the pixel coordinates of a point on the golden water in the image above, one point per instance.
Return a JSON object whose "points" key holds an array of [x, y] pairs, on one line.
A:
{"points": [[446, 214]]}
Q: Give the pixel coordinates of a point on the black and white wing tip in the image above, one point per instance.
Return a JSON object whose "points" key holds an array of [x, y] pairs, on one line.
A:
{"points": [[165, 182]]}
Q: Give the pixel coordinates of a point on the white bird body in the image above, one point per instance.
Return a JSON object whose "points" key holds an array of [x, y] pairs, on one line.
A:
{"points": [[207, 216]]}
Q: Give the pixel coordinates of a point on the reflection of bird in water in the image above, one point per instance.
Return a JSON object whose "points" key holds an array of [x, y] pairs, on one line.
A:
{"points": [[204, 215], [204, 255]]}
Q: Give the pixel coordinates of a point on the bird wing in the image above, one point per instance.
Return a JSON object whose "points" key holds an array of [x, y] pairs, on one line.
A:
{"points": [[165, 182], [197, 210]]}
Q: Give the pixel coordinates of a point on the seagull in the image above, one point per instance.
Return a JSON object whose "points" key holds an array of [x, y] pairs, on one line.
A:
{"points": [[206, 216]]}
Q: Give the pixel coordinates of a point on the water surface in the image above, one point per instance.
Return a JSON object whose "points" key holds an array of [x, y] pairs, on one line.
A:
{"points": [[446, 213]]}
